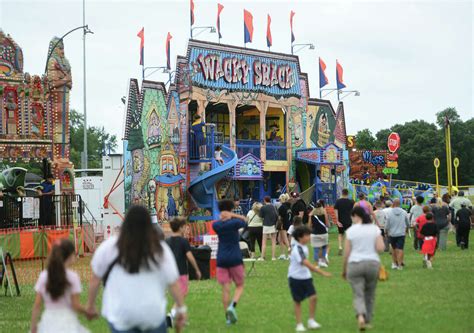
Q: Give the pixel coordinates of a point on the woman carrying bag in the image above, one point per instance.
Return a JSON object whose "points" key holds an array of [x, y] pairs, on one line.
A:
{"points": [[319, 224], [361, 267], [254, 228]]}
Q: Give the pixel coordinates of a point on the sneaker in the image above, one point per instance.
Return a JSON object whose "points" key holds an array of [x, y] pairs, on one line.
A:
{"points": [[300, 328], [400, 268], [327, 258], [274, 259], [169, 320], [282, 257], [322, 264], [394, 265], [313, 324], [429, 265], [231, 314], [261, 259]]}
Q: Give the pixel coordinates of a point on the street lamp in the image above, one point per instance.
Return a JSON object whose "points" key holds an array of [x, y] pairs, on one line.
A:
{"points": [[301, 46], [86, 31], [156, 69], [211, 29], [340, 93]]}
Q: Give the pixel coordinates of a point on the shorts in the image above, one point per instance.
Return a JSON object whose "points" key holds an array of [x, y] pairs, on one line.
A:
{"points": [[319, 240], [342, 230], [397, 242], [226, 275], [429, 246], [301, 289], [269, 230], [184, 283]]}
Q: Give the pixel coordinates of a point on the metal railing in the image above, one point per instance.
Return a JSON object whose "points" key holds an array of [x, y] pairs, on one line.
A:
{"points": [[34, 211]]}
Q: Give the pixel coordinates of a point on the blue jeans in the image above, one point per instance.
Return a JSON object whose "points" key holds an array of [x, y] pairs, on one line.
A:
{"points": [[316, 252], [161, 329]]}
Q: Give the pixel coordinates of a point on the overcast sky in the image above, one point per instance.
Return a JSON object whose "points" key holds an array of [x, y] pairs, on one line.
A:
{"points": [[408, 59]]}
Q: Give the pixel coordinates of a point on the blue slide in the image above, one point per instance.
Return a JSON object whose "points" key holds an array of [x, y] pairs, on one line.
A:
{"points": [[202, 188]]}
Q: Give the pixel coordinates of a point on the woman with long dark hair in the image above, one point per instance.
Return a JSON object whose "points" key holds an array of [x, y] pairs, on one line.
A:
{"points": [[136, 267], [59, 288], [361, 267]]}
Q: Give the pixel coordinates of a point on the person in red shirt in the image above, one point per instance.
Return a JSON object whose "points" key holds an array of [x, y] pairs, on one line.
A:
{"points": [[429, 232], [419, 223]]}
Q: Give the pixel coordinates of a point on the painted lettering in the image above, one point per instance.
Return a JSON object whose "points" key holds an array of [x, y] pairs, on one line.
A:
{"points": [[227, 69], [257, 72], [245, 71], [265, 74]]}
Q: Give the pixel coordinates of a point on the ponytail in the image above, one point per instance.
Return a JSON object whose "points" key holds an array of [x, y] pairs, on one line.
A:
{"points": [[57, 280]]}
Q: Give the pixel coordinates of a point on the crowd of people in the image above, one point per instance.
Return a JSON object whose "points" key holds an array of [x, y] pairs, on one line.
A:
{"points": [[138, 266]]}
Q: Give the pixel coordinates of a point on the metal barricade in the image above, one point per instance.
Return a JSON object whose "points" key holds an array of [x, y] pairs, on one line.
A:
{"points": [[34, 211]]}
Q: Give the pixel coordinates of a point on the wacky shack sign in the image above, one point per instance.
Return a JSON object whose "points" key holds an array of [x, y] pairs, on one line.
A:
{"points": [[238, 69]]}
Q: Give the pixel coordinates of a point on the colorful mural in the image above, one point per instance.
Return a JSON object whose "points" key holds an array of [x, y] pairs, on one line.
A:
{"points": [[367, 165], [324, 124], [153, 155]]}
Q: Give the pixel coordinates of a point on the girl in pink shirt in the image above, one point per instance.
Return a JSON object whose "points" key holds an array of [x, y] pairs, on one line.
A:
{"points": [[58, 288]]}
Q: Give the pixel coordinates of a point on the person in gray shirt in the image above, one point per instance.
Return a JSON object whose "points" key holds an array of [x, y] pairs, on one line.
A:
{"points": [[396, 228]]}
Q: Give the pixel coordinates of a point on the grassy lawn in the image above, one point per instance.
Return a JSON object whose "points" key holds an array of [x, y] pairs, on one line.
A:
{"points": [[413, 300]]}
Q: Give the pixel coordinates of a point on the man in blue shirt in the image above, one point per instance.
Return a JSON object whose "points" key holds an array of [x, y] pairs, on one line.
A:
{"points": [[230, 266], [46, 203]]}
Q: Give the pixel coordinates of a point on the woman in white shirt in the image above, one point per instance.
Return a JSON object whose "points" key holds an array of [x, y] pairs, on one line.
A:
{"points": [[362, 263], [137, 268], [255, 228]]}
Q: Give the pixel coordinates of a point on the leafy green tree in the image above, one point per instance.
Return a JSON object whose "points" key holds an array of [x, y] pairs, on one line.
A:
{"points": [[365, 140], [99, 142]]}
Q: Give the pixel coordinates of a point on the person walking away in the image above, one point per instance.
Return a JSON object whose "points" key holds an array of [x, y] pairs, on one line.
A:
{"points": [[343, 208], [299, 207], [396, 228], [182, 254], [319, 225], [415, 212], [366, 206], [255, 228], [419, 223], [230, 266], [442, 216], [361, 265], [428, 248], [269, 214], [284, 213], [463, 223], [59, 289], [297, 222], [136, 268], [456, 204], [300, 279], [381, 219]]}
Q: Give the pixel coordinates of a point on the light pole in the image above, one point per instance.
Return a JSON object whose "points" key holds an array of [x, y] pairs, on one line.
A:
{"points": [[211, 29], [301, 46], [87, 31], [156, 69]]}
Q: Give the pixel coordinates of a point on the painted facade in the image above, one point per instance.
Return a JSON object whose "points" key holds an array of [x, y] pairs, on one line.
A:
{"points": [[255, 103], [34, 110]]}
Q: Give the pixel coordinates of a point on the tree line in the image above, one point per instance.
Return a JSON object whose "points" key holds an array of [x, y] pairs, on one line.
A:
{"points": [[422, 141]]}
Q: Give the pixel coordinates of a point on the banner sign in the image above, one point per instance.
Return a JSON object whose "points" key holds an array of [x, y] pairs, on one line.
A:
{"points": [[218, 69], [330, 154], [248, 167], [367, 165]]}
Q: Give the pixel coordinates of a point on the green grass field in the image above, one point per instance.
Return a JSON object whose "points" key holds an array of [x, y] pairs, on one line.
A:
{"points": [[412, 300]]}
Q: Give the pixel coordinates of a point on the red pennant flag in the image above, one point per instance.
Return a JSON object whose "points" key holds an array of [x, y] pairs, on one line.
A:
{"points": [[219, 10], [191, 13], [141, 35], [323, 79], [292, 13], [168, 48], [339, 79], [248, 26], [269, 31]]}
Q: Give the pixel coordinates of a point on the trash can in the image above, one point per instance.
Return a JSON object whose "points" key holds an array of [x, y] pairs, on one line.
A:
{"points": [[202, 254]]}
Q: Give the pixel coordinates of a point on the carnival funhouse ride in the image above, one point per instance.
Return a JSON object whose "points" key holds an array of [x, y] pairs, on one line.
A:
{"points": [[256, 106]]}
